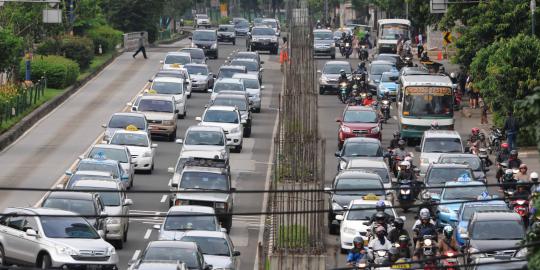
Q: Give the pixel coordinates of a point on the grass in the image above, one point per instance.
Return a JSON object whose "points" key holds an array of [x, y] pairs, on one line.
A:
{"points": [[98, 61], [48, 95], [292, 236]]}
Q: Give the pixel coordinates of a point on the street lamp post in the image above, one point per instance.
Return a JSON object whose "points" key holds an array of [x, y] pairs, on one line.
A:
{"points": [[533, 21]]}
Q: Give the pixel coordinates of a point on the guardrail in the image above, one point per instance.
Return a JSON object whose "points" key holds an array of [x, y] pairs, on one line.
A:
{"points": [[131, 40], [24, 99]]}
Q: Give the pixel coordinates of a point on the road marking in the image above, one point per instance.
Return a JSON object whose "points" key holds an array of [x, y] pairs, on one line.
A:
{"points": [[157, 214], [136, 254], [148, 233], [163, 199]]}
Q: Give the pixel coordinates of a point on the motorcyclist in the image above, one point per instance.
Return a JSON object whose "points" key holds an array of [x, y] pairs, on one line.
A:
{"points": [[406, 173], [508, 180], [522, 174], [442, 71], [474, 136], [482, 142], [343, 77], [354, 99], [357, 253], [426, 201], [522, 191], [368, 100], [397, 231], [380, 216], [395, 139], [504, 154], [422, 212], [453, 77], [403, 250], [513, 161], [319, 24], [534, 182], [424, 57], [380, 242], [425, 227], [361, 68], [448, 243]]}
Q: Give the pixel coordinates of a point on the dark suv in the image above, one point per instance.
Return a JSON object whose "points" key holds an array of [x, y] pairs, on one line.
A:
{"points": [[262, 38], [206, 40]]}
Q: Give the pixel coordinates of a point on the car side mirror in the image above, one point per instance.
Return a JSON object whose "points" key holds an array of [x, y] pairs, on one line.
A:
{"points": [[129, 104], [249, 33], [69, 173], [319, 71], [467, 149], [262, 87], [418, 148], [243, 121], [179, 141], [150, 80], [403, 217], [208, 267], [176, 111], [103, 214], [337, 154], [80, 157], [261, 69], [31, 232], [170, 170], [464, 236], [125, 177], [198, 118], [157, 227], [327, 189], [190, 38], [340, 217], [154, 145], [277, 34], [236, 253], [103, 125], [210, 90], [233, 189], [223, 230], [262, 62]]}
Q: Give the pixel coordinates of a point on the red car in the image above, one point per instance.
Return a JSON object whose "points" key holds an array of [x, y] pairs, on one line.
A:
{"points": [[358, 121]]}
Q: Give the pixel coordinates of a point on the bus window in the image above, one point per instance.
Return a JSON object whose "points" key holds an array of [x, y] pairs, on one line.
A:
{"points": [[428, 101]]}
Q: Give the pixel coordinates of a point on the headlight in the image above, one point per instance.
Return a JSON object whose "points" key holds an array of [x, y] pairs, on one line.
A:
{"points": [[349, 230], [375, 129], [214, 46], [385, 102], [342, 164], [63, 250], [475, 250], [332, 45], [221, 205], [323, 80], [114, 220], [193, 44], [111, 251], [147, 154], [244, 116], [444, 209], [336, 206], [345, 129], [235, 130], [168, 122], [405, 191]]}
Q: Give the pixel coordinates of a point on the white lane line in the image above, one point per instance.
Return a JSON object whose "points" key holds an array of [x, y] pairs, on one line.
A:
{"points": [[136, 255], [163, 199], [157, 214], [148, 233]]}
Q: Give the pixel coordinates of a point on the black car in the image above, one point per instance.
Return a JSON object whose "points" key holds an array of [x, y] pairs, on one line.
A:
{"points": [[206, 40], [197, 55], [359, 147], [392, 58], [361, 184], [375, 71], [262, 38], [226, 33], [241, 27]]}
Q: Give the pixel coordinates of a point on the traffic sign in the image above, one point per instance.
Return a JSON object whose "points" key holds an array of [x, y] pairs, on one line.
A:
{"points": [[447, 38]]}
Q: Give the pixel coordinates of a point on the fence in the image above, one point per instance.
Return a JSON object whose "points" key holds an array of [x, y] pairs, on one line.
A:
{"points": [[131, 40], [26, 98]]}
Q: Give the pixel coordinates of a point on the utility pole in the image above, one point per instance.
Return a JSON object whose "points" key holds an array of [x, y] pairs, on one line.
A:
{"points": [[533, 21], [325, 12]]}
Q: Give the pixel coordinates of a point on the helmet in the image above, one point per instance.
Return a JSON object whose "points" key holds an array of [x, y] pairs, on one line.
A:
{"points": [[374, 104], [426, 196], [514, 153], [405, 164], [361, 65], [398, 223], [380, 229], [396, 134], [358, 241], [521, 184], [508, 174], [380, 216], [424, 214], [482, 136], [380, 206], [475, 131], [452, 75], [534, 177], [342, 71], [448, 231], [504, 145], [403, 238], [318, 21], [523, 166], [441, 69], [401, 143], [434, 124], [408, 159], [354, 91], [369, 95]]}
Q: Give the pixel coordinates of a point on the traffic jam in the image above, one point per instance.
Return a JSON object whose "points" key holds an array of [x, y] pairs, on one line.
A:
{"points": [[429, 196]]}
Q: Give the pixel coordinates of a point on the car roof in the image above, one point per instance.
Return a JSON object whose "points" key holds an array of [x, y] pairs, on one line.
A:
{"points": [[135, 114], [99, 161], [105, 184], [205, 30], [359, 174], [196, 65], [245, 76], [229, 80], [71, 195], [388, 54], [366, 163], [192, 208], [431, 78], [173, 244], [161, 265], [204, 128], [248, 53], [232, 67], [244, 59], [391, 73], [109, 146], [140, 132], [322, 30], [231, 96], [495, 215], [481, 203], [449, 165], [209, 154], [337, 63], [462, 183], [43, 211], [359, 108], [212, 234], [96, 173], [381, 62], [441, 134], [158, 97], [168, 79], [363, 140], [227, 24], [178, 53], [221, 108], [458, 155]]}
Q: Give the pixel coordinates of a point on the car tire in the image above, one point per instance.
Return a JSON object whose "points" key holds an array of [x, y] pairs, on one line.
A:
{"points": [[227, 224], [321, 91], [238, 148], [234, 42], [332, 229], [189, 96], [257, 110], [3, 261], [247, 132], [45, 262], [126, 233], [172, 137], [119, 244], [343, 251], [333, 56]]}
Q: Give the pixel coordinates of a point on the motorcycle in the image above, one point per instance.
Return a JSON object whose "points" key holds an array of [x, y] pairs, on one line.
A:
{"points": [[450, 262], [381, 257], [408, 61], [484, 157], [343, 92], [522, 208], [495, 138], [395, 164], [363, 53], [347, 50], [405, 197], [385, 109], [429, 251]]}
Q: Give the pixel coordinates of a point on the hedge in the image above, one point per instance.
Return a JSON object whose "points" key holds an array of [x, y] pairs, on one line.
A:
{"points": [[60, 71], [105, 36], [79, 49], [50, 46]]}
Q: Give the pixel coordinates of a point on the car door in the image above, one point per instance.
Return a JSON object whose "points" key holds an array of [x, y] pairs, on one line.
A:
{"points": [[100, 207], [9, 230], [30, 245]]}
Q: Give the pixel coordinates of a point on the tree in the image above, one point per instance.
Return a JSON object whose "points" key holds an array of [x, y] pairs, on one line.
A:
{"points": [[508, 74], [11, 48], [135, 15]]}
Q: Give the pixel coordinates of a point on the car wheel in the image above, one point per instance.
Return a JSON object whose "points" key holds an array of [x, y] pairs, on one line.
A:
{"points": [[333, 56], [119, 244], [45, 262], [332, 229], [238, 148], [321, 91], [227, 224], [234, 42], [344, 251], [247, 132], [3, 261], [258, 110], [126, 233], [189, 95]]}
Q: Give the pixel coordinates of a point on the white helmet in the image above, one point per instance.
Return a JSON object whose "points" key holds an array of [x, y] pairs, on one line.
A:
{"points": [[406, 164], [534, 175], [408, 159], [452, 75]]}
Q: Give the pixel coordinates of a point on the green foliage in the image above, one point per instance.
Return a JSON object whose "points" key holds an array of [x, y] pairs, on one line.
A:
{"points": [[89, 15], [80, 49], [49, 46], [533, 236], [135, 15], [10, 48], [105, 36], [224, 20], [60, 71], [511, 68], [293, 236]]}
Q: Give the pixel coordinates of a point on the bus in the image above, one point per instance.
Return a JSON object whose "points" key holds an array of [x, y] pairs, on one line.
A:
{"points": [[388, 33], [423, 99]]}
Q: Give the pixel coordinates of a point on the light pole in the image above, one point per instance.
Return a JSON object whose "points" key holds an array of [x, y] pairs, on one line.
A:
{"points": [[533, 21]]}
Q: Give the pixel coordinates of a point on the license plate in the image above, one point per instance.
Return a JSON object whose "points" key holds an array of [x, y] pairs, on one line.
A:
{"points": [[401, 266], [265, 43], [93, 267], [366, 242]]}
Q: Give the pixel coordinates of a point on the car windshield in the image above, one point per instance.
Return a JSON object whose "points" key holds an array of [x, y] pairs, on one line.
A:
{"points": [[473, 162], [77, 177], [362, 149], [229, 72], [365, 212], [119, 155], [223, 86], [442, 145], [204, 138], [174, 73], [462, 192], [177, 59], [389, 77], [188, 256], [251, 83], [387, 58], [322, 35], [130, 139], [97, 166], [362, 116], [334, 69], [263, 32], [491, 230], [379, 69], [83, 207], [122, 121], [218, 116], [360, 186], [394, 31], [177, 222], [108, 198], [168, 88], [68, 227], [272, 24], [241, 24], [202, 16], [154, 105], [250, 65], [204, 180], [195, 53], [226, 28], [338, 34], [428, 101], [196, 70], [439, 176], [204, 35], [383, 173], [234, 102], [468, 211], [210, 245], [246, 55]]}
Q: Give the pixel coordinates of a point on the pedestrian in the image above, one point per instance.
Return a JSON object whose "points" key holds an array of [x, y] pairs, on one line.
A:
{"points": [[511, 127], [462, 80], [485, 109], [356, 46], [420, 46], [141, 46], [284, 53]]}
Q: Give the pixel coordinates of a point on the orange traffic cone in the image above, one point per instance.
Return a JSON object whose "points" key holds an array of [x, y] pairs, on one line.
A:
{"points": [[439, 55]]}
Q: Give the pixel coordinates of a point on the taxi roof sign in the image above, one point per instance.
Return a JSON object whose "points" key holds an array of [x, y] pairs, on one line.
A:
{"points": [[151, 91], [99, 156], [371, 197], [131, 128], [464, 178]]}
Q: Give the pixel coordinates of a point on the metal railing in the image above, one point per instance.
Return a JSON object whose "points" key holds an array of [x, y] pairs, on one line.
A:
{"points": [[26, 97], [131, 40]]}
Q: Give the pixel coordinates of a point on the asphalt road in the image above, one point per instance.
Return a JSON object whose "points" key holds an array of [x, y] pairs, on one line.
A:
{"points": [[40, 157]]}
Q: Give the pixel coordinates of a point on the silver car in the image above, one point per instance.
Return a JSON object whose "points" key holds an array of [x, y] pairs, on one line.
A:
{"points": [[205, 138], [253, 88], [176, 225], [172, 251], [217, 248], [119, 153], [116, 206], [252, 67], [121, 120], [52, 238], [201, 77]]}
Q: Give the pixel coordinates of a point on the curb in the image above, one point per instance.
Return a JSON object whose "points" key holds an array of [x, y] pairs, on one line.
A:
{"points": [[16, 131]]}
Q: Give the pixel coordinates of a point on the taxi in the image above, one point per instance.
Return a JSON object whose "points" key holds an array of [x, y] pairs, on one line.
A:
{"points": [[139, 144], [453, 195], [358, 212], [467, 210]]}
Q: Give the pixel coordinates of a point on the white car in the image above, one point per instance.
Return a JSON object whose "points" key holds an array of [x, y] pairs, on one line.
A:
{"points": [[352, 222], [229, 119], [226, 84], [200, 141], [119, 153], [175, 225], [202, 20], [121, 120], [253, 88], [175, 60], [434, 143], [140, 146], [217, 247], [169, 86]]}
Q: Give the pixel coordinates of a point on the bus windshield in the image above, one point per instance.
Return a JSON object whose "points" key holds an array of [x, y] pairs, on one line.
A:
{"points": [[428, 101], [394, 31]]}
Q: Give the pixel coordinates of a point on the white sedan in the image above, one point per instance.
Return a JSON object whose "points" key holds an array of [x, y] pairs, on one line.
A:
{"points": [[139, 145]]}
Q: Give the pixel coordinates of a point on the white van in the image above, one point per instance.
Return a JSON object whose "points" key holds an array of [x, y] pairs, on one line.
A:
{"points": [[434, 143]]}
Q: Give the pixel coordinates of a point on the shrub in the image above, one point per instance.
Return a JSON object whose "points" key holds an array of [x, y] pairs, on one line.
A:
{"points": [[60, 71], [224, 20], [80, 49], [105, 35], [49, 46], [8, 92]]}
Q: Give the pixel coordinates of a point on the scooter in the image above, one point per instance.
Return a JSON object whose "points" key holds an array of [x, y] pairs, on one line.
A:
{"points": [[347, 50], [343, 92], [522, 208], [363, 53], [405, 197], [450, 262], [429, 251], [385, 109], [495, 138]]}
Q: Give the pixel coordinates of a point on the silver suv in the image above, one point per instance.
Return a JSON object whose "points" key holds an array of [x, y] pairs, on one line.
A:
{"points": [[52, 238]]}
